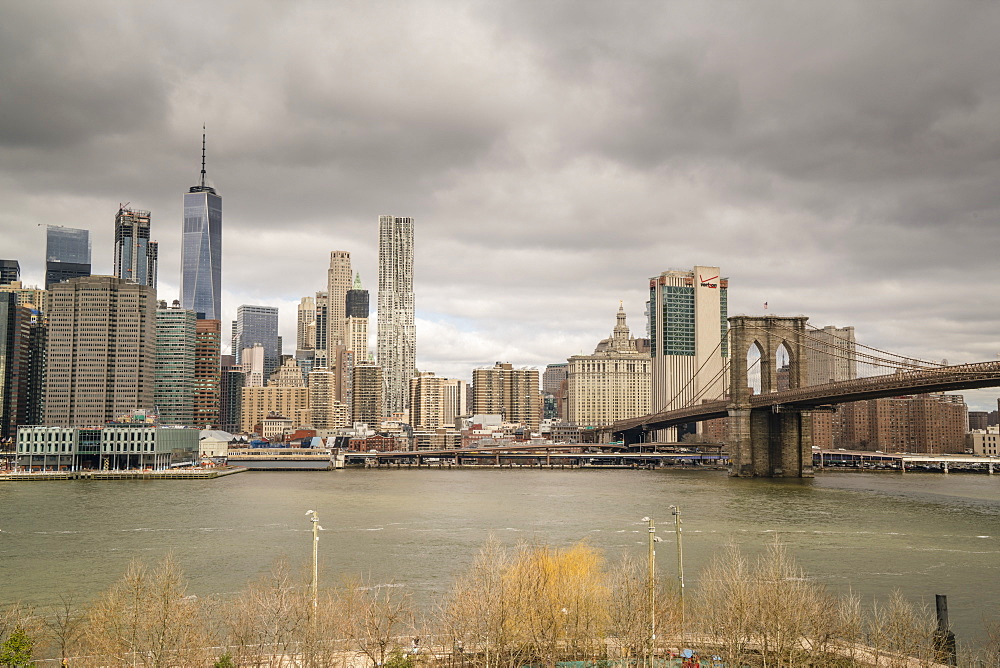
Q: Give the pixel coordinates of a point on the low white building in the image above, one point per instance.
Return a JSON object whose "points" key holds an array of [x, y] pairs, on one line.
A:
{"points": [[214, 443], [113, 447], [985, 442]]}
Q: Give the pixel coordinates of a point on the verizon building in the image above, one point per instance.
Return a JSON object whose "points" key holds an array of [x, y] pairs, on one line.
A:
{"points": [[687, 330]]}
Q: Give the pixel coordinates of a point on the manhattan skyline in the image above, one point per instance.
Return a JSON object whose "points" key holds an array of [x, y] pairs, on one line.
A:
{"points": [[838, 161]]}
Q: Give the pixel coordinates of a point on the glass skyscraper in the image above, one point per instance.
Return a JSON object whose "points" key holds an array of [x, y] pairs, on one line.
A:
{"points": [[67, 254], [201, 253], [258, 325], [688, 323]]}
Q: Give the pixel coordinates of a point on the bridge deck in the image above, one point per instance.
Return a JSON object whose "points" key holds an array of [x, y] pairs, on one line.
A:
{"points": [[943, 379]]}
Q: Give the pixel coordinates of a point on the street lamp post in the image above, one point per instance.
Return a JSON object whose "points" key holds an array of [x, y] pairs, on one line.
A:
{"points": [[316, 528], [676, 512], [651, 588]]}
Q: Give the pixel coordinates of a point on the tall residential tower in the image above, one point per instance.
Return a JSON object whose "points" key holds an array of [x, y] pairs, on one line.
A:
{"points": [[397, 338], [201, 255]]}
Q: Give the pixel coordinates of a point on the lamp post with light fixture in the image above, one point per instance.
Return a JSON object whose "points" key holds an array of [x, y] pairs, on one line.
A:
{"points": [[676, 512], [653, 539], [316, 528]]}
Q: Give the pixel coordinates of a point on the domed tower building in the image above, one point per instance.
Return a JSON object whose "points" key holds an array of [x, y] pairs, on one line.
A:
{"points": [[612, 384]]}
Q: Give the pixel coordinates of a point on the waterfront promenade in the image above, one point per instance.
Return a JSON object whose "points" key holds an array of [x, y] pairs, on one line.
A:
{"points": [[166, 474]]}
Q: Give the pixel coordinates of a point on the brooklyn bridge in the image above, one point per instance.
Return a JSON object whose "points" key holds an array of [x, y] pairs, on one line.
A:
{"points": [[769, 430]]}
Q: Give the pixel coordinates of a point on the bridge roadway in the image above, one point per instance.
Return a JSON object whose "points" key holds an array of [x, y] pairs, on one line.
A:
{"points": [[943, 379], [542, 454]]}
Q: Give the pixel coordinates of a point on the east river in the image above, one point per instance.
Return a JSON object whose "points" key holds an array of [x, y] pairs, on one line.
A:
{"points": [[923, 534]]}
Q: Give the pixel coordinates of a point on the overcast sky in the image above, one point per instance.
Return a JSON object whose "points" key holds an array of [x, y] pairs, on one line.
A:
{"points": [[839, 160]]}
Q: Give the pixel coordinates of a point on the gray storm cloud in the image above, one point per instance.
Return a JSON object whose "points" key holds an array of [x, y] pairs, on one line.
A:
{"points": [[838, 160]]}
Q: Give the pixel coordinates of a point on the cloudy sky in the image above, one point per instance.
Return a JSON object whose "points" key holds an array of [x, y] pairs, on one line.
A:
{"points": [[836, 159]]}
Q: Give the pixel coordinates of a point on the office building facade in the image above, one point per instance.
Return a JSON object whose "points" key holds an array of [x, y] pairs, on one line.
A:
{"points": [[512, 393], [436, 401], [356, 322], [231, 381], [258, 325], [554, 390], [366, 394], [612, 384], [305, 325], [322, 320], [101, 350], [260, 402], [831, 355], [14, 356], [688, 325], [10, 271], [338, 283], [327, 412], [67, 254], [135, 255], [397, 339], [201, 249], [207, 372], [175, 362]]}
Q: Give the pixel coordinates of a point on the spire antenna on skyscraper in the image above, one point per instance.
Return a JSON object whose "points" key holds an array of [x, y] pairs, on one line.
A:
{"points": [[202, 155]]}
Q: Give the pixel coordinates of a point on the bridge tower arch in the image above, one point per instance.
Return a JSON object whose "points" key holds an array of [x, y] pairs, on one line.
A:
{"points": [[775, 441]]}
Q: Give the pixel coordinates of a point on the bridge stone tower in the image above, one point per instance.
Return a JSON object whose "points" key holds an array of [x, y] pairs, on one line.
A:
{"points": [[774, 441]]}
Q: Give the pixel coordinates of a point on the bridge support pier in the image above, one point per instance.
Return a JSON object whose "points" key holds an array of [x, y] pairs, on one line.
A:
{"points": [[774, 441], [767, 443]]}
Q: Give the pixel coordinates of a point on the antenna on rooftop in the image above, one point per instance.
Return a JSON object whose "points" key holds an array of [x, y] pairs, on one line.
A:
{"points": [[202, 155]]}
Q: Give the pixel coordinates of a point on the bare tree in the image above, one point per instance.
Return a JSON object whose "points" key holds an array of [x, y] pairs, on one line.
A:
{"points": [[267, 622], [901, 633], [381, 615], [65, 627], [146, 618], [479, 614]]}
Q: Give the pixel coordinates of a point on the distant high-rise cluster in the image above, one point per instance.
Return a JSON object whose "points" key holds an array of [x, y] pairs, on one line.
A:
{"points": [[331, 340], [397, 339], [90, 349]]}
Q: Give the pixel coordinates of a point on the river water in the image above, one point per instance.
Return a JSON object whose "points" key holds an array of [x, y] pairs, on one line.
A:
{"points": [[923, 533]]}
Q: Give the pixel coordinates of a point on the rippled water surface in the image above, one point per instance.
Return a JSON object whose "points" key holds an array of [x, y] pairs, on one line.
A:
{"points": [[925, 534]]}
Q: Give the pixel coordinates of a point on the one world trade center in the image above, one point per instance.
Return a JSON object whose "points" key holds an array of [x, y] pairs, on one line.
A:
{"points": [[201, 254]]}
